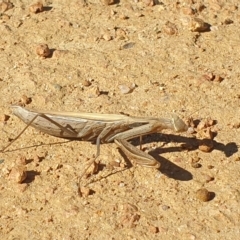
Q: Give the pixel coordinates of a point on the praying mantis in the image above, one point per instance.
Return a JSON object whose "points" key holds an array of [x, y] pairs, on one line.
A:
{"points": [[99, 128]]}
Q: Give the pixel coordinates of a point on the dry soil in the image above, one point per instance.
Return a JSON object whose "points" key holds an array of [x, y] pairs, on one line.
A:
{"points": [[134, 57]]}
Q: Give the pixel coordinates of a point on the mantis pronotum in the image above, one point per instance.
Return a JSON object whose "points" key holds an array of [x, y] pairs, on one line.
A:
{"points": [[101, 128]]}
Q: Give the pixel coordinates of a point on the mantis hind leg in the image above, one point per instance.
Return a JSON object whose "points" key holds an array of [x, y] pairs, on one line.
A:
{"points": [[137, 155]]}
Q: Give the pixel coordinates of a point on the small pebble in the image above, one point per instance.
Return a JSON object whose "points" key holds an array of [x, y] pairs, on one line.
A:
{"points": [[200, 7], [205, 134], [18, 174], [92, 169], [208, 76], [36, 8], [86, 83], [203, 195], [112, 12], [210, 166], [218, 78], [4, 118], [191, 130], [187, 11], [128, 45], [21, 160], [22, 187], [57, 86], [196, 165], [235, 125], [121, 34], [198, 25], [85, 191], [25, 100], [93, 92], [170, 28], [209, 178], [121, 184], [123, 16], [4, 17], [5, 5], [237, 159], [149, 3], [42, 50], [196, 159], [115, 164], [153, 229], [107, 36], [206, 145], [126, 89], [108, 2], [165, 207], [36, 160], [210, 122], [211, 77], [201, 125], [228, 21]]}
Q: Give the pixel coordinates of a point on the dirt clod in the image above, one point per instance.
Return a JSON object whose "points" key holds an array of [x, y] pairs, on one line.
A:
{"points": [[5, 5], [22, 187], [129, 216], [149, 3], [170, 28], [21, 160], [114, 164], [187, 11], [237, 159], [107, 36], [153, 229], [4, 117], [210, 166], [203, 195], [86, 83], [25, 100], [206, 145], [92, 169], [93, 92], [18, 174], [125, 89], [218, 78], [205, 133], [108, 2], [85, 191], [36, 8], [196, 165], [43, 50], [198, 25], [209, 178]]}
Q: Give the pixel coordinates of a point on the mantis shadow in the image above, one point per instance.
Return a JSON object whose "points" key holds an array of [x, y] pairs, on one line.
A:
{"points": [[168, 168], [191, 142], [39, 145]]}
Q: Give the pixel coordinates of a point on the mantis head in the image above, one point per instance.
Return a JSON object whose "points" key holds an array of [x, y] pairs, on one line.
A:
{"points": [[178, 124]]}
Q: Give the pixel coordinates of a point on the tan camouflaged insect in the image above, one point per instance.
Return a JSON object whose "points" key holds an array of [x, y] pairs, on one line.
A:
{"points": [[99, 128]]}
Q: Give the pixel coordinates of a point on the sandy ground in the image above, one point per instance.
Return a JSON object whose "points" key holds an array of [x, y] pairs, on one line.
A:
{"points": [[97, 52]]}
